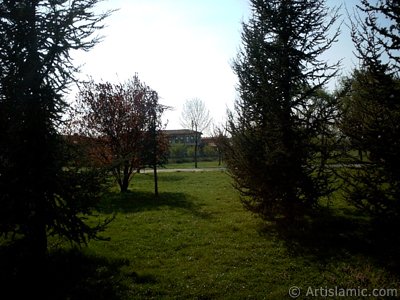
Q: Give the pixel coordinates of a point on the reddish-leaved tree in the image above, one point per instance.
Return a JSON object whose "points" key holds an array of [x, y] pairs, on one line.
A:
{"points": [[121, 124]]}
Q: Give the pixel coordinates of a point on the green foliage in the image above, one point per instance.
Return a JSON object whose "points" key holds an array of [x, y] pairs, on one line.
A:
{"points": [[278, 148], [209, 151], [370, 111], [178, 151], [371, 118], [191, 151]]}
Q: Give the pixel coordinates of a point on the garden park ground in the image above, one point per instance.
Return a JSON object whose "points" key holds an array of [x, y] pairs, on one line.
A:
{"points": [[196, 241]]}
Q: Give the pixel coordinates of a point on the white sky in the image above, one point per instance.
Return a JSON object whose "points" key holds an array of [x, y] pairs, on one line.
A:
{"points": [[182, 49]]}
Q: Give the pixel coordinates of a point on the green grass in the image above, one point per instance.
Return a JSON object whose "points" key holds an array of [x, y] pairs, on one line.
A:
{"points": [[197, 242]]}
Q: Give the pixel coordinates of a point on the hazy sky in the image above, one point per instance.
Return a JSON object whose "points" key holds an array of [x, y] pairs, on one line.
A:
{"points": [[182, 49]]}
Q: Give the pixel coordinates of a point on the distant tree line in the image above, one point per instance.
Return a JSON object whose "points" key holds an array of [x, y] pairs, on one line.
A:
{"points": [[186, 153]]}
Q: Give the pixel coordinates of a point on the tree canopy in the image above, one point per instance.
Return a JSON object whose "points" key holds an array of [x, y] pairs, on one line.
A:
{"points": [[122, 126]]}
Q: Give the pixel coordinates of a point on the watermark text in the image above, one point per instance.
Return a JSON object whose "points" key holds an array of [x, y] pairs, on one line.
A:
{"points": [[295, 292]]}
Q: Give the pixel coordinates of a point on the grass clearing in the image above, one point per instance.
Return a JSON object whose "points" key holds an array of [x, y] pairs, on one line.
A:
{"points": [[196, 241]]}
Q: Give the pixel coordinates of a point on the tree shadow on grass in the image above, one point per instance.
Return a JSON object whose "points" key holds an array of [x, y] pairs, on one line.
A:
{"points": [[171, 177], [137, 201], [329, 236], [66, 274]]}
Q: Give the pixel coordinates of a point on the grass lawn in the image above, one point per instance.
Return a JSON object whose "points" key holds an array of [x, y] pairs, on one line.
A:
{"points": [[197, 242]]}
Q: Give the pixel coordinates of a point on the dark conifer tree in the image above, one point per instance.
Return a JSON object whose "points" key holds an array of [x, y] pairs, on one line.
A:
{"points": [[274, 153], [41, 192], [370, 123]]}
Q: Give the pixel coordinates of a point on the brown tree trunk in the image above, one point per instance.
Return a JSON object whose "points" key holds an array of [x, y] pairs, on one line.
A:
{"points": [[155, 180], [125, 179], [125, 183]]}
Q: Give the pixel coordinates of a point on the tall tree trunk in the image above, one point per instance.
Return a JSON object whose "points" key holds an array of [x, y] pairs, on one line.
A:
{"points": [[195, 154], [155, 161], [195, 147], [125, 179], [155, 180], [124, 185]]}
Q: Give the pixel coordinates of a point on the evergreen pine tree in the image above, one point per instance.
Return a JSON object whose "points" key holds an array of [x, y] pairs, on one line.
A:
{"points": [[371, 114], [274, 153], [42, 193]]}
